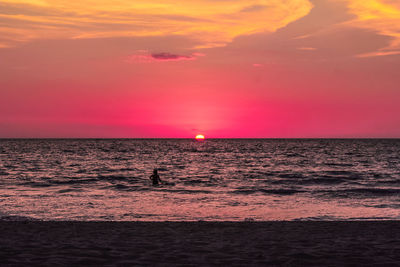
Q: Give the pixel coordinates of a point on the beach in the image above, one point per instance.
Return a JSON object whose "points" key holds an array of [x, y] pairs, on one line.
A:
{"points": [[295, 243]]}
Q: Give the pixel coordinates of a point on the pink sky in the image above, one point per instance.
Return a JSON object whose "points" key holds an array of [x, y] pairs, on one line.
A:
{"points": [[232, 68]]}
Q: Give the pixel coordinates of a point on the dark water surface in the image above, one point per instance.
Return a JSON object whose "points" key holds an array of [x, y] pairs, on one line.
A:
{"points": [[218, 179]]}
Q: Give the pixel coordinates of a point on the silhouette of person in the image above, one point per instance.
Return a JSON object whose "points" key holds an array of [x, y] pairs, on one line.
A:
{"points": [[155, 177]]}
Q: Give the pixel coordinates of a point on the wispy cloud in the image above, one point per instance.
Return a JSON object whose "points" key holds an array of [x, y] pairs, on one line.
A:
{"points": [[147, 57], [210, 23], [306, 48], [165, 56], [379, 54], [382, 16]]}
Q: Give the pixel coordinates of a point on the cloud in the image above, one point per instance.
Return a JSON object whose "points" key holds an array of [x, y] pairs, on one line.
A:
{"points": [[379, 54], [324, 35], [382, 16], [307, 48], [170, 57], [145, 57], [210, 23]]}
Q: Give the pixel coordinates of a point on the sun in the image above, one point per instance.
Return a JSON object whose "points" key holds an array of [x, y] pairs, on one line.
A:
{"points": [[200, 137]]}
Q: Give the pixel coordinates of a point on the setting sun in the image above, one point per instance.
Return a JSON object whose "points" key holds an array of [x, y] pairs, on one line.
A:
{"points": [[199, 137]]}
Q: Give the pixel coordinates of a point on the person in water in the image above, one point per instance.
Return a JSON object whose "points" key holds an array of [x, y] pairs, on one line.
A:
{"points": [[155, 177]]}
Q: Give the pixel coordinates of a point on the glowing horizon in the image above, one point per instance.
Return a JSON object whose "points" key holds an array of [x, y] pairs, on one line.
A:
{"points": [[200, 137], [232, 68]]}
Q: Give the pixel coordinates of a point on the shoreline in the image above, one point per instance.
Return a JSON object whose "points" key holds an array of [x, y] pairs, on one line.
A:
{"points": [[294, 243]]}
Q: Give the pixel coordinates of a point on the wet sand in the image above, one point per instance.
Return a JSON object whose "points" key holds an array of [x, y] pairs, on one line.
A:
{"points": [[199, 243]]}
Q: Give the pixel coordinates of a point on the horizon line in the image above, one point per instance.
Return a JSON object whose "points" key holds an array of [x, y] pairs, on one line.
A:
{"points": [[191, 138]]}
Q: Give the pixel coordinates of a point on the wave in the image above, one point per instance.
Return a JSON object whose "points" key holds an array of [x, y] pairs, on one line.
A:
{"points": [[318, 218], [385, 206], [73, 181], [374, 191], [69, 190], [114, 177], [291, 175], [197, 182], [4, 173], [336, 172], [341, 219], [268, 191], [13, 218], [332, 164], [111, 170], [390, 182], [127, 188], [325, 180], [364, 192], [36, 184], [183, 191]]}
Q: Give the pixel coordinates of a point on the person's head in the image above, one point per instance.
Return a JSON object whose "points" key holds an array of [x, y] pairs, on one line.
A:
{"points": [[155, 171]]}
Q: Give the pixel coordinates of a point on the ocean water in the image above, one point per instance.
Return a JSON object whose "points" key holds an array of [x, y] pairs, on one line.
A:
{"points": [[211, 180]]}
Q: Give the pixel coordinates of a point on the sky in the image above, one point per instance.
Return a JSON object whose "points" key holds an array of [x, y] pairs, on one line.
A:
{"points": [[178, 68]]}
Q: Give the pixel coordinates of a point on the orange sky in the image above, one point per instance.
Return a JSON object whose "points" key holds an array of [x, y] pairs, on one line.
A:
{"points": [[231, 68]]}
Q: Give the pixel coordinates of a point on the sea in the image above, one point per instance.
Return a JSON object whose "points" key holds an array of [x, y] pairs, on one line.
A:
{"points": [[210, 180]]}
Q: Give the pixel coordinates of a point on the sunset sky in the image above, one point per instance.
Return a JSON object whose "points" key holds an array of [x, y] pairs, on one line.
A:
{"points": [[222, 68]]}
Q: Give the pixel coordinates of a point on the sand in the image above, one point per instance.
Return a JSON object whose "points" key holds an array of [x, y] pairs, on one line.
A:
{"points": [[199, 243]]}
